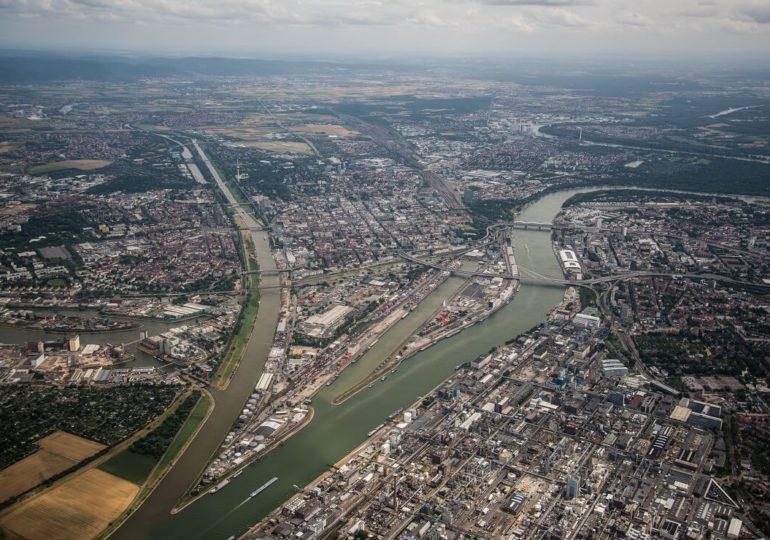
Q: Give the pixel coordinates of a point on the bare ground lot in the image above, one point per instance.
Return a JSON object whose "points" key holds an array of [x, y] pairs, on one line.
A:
{"points": [[77, 509], [58, 452]]}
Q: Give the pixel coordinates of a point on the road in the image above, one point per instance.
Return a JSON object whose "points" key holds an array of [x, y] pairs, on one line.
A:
{"points": [[186, 155], [250, 221]]}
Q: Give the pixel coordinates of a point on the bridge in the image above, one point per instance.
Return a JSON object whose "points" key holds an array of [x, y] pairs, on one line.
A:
{"points": [[453, 271], [276, 272], [536, 226], [531, 277], [535, 278], [532, 226]]}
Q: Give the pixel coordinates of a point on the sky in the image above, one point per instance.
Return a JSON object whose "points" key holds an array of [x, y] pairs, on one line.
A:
{"points": [[655, 29]]}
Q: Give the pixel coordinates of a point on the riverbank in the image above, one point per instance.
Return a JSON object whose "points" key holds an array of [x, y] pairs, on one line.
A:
{"points": [[394, 361], [372, 440], [335, 430], [83, 330], [229, 402], [237, 471], [246, 318], [179, 444], [397, 357], [110, 313], [383, 367]]}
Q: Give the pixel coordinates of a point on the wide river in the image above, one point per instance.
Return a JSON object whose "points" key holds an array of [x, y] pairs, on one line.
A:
{"points": [[336, 430]]}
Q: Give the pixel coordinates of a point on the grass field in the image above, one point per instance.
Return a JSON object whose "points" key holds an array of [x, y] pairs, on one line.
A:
{"points": [[137, 468], [58, 452], [77, 509], [281, 147], [79, 164], [7, 147], [130, 466], [197, 415], [326, 129]]}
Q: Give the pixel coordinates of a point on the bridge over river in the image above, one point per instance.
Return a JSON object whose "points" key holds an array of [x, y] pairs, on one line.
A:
{"points": [[532, 277]]}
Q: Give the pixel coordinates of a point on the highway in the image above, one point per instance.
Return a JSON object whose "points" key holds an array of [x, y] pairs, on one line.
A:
{"points": [[186, 155]]}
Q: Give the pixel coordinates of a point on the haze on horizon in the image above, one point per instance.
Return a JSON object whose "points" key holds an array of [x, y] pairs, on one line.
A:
{"points": [[660, 29]]}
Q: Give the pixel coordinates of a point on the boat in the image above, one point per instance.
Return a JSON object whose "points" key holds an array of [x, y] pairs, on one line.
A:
{"points": [[371, 385], [219, 486], [384, 377], [375, 430], [394, 414], [264, 486]]}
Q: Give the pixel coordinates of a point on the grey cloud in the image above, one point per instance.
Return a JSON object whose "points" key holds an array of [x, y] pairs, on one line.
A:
{"points": [[544, 3], [561, 17], [635, 20], [757, 14]]}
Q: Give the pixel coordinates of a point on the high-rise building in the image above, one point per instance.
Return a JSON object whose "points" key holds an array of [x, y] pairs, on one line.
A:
{"points": [[572, 487]]}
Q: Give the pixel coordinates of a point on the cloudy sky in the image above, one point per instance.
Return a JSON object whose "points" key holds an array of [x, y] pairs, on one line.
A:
{"points": [[392, 28]]}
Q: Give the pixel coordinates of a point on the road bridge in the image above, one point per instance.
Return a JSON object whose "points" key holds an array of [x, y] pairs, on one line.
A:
{"points": [[592, 282], [276, 272], [532, 277], [532, 226], [453, 271]]}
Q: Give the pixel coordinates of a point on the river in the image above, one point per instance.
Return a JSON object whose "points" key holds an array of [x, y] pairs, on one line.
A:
{"points": [[335, 430], [10, 334]]}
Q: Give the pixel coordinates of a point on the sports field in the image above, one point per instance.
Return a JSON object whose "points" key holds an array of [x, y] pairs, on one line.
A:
{"points": [[78, 509], [58, 452]]}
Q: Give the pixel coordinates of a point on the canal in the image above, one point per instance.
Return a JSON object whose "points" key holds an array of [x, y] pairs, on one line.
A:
{"points": [[335, 430]]}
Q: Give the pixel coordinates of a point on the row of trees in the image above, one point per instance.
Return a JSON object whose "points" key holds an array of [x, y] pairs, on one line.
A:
{"points": [[157, 442]]}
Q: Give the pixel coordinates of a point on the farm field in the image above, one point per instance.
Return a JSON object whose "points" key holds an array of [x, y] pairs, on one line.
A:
{"points": [[58, 452], [77, 509]]}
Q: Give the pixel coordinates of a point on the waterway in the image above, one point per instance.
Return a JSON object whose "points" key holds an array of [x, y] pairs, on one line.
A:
{"points": [[17, 335], [335, 430], [155, 511]]}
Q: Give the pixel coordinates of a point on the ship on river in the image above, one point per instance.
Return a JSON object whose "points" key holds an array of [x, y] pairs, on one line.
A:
{"points": [[263, 487]]}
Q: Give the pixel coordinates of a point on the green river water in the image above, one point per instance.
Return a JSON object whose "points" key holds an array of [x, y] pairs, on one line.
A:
{"points": [[335, 430]]}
